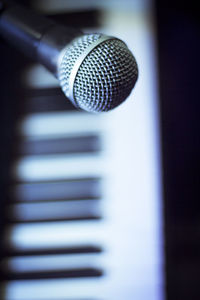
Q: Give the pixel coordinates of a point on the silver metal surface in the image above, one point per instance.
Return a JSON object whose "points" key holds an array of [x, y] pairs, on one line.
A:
{"points": [[69, 57], [97, 72], [79, 62]]}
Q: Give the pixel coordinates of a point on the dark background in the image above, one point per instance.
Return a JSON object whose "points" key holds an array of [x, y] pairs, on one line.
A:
{"points": [[178, 27]]}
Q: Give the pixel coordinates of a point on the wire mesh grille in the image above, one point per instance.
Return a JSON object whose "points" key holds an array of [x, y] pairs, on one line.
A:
{"points": [[73, 51], [106, 76]]}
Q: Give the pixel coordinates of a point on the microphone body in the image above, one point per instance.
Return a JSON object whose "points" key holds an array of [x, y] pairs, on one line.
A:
{"points": [[96, 72], [36, 36]]}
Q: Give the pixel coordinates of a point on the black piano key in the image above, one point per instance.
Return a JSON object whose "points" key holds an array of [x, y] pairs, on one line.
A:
{"points": [[74, 273], [80, 144], [53, 211], [53, 251], [42, 100], [52, 266], [84, 18], [87, 188], [10, 252]]}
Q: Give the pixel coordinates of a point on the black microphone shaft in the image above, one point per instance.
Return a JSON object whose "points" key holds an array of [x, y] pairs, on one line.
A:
{"points": [[36, 36]]}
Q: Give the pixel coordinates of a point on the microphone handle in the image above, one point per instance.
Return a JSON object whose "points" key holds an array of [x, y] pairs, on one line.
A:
{"points": [[36, 36]]}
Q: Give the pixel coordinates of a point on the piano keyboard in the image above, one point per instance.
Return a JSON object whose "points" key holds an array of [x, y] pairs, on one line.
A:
{"points": [[83, 214]]}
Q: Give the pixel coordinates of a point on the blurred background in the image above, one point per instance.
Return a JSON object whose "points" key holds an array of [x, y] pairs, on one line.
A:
{"points": [[104, 206]]}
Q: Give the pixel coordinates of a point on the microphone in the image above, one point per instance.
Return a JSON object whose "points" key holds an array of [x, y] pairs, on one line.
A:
{"points": [[96, 72]]}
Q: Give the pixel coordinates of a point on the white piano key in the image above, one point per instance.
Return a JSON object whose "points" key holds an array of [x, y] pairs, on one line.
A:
{"points": [[55, 234], [45, 125], [125, 243], [58, 167], [52, 289], [106, 288]]}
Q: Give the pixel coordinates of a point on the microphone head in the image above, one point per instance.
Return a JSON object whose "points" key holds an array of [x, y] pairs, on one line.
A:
{"points": [[97, 72]]}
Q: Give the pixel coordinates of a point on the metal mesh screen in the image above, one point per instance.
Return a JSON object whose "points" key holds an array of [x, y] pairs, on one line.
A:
{"points": [[105, 77]]}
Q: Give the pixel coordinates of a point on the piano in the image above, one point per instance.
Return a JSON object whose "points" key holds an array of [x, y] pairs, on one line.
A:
{"points": [[82, 209]]}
